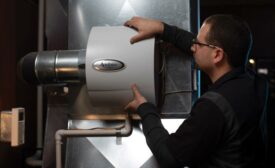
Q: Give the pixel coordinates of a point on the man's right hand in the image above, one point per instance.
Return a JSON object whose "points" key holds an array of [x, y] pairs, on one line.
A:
{"points": [[146, 28]]}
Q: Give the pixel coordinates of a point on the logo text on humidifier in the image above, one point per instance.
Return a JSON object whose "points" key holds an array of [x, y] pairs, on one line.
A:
{"points": [[108, 65]]}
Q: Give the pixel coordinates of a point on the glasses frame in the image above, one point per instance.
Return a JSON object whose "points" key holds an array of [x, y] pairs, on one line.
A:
{"points": [[195, 41]]}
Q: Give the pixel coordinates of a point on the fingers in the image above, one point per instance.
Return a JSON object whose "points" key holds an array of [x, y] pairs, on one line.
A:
{"points": [[127, 23], [135, 24], [131, 22]]}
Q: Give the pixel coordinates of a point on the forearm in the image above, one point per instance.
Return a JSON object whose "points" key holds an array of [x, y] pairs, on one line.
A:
{"points": [[182, 39], [156, 135]]}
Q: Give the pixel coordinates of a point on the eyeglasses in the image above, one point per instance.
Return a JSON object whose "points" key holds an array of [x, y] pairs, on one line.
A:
{"points": [[195, 41]]}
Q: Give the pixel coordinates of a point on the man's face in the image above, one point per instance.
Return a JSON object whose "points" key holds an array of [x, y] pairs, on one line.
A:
{"points": [[202, 52]]}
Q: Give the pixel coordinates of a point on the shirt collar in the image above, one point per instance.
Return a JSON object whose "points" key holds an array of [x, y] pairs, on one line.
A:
{"points": [[235, 72]]}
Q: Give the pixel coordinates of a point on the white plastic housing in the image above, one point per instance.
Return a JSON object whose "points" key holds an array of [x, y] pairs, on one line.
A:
{"points": [[113, 87], [18, 126], [12, 126]]}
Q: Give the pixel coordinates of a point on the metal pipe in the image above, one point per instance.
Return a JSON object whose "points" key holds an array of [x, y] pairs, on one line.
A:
{"points": [[53, 67], [35, 160], [39, 88], [125, 131]]}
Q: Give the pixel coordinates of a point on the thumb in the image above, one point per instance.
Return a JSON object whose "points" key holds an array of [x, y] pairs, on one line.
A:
{"points": [[137, 38], [135, 91], [128, 106], [137, 95]]}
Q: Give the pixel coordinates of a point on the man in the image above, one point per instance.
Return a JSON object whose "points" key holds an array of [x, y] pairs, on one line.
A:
{"points": [[223, 127]]}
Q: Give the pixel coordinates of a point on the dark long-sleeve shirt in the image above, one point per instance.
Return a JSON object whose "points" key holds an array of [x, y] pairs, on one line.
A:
{"points": [[202, 140]]}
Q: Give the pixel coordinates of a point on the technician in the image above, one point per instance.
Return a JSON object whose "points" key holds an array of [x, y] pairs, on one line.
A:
{"points": [[223, 127]]}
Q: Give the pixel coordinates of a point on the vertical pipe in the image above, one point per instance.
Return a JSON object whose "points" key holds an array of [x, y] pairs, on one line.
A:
{"points": [[58, 153], [34, 160], [40, 88]]}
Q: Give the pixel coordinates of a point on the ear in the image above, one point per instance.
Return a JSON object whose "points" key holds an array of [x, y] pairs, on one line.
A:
{"points": [[219, 55]]}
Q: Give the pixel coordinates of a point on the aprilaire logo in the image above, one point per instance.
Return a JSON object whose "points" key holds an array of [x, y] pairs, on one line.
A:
{"points": [[108, 65]]}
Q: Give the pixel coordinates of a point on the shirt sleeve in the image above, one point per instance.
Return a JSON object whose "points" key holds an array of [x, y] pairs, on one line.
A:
{"points": [[194, 140], [156, 135], [199, 135], [180, 38]]}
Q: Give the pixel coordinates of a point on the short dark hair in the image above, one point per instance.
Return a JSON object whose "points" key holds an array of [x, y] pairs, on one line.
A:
{"points": [[233, 35]]}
